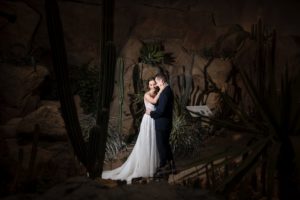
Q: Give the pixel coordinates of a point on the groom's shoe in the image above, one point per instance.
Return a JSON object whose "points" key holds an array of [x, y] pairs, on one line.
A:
{"points": [[162, 171]]}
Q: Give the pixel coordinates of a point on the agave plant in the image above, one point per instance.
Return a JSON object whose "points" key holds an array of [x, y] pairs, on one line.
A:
{"points": [[152, 53], [277, 116], [185, 136]]}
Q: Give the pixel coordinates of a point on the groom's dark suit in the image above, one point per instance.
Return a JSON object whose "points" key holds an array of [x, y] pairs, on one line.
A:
{"points": [[163, 124]]}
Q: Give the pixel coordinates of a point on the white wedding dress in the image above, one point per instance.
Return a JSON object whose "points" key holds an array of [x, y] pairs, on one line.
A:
{"points": [[144, 159]]}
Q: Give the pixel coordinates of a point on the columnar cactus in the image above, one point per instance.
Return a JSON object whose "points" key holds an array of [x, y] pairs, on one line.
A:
{"points": [[120, 66], [91, 154], [60, 66], [106, 88]]}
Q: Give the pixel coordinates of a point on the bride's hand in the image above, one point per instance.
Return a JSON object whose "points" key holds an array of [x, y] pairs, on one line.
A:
{"points": [[147, 112], [159, 92]]}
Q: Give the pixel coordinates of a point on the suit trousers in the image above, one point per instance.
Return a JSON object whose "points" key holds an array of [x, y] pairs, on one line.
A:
{"points": [[164, 147]]}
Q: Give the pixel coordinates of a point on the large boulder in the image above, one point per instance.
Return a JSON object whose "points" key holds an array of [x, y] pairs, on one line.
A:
{"points": [[49, 118], [9, 130], [53, 162], [50, 121], [19, 89]]}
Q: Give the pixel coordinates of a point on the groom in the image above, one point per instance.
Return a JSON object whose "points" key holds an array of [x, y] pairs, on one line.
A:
{"points": [[163, 124]]}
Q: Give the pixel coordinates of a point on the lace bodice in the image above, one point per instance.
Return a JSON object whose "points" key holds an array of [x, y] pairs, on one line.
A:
{"points": [[149, 106]]}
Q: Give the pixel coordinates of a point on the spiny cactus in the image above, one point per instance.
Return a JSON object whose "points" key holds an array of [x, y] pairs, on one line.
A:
{"points": [[60, 66], [136, 79], [91, 154], [105, 95], [106, 84], [120, 66]]}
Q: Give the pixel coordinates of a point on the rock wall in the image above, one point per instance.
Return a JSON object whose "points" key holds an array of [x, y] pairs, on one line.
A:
{"points": [[19, 87], [183, 26]]}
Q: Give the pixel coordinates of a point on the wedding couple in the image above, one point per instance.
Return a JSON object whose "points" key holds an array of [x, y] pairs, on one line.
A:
{"points": [[152, 155]]}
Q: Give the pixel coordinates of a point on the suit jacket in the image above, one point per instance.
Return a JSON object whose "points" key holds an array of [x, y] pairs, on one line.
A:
{"points": [[164, 109]]}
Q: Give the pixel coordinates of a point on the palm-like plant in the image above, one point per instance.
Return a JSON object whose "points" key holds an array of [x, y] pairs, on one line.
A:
{"points": [[152, 53]]}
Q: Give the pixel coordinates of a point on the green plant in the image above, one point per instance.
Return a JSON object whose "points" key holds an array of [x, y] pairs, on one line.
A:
{"points": [[185, 136], [152, 53], [273, 116], [270, 128], [120, 66], [114, 143], [136, 105]]}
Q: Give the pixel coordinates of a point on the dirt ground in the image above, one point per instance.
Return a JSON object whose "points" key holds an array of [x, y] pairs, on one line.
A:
{"points": [[84, 188]]}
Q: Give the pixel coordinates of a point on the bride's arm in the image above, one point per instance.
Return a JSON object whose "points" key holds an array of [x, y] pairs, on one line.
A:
{"points": [[150, 99]]}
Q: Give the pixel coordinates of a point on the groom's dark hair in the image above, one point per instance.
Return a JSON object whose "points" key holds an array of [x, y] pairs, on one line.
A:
{"points": [[161, 76]]}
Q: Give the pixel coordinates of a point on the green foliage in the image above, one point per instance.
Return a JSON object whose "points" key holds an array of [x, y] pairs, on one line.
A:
{"points": [[120, 66], [153, 53], [270, 125], [185, 136], [136, 105], [88, 87]]}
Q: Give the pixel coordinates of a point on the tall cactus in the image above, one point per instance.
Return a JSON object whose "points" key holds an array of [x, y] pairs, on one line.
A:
{"points": [[60, 66], [120, 66], [105, 95], [106, 81], [90, 154]]}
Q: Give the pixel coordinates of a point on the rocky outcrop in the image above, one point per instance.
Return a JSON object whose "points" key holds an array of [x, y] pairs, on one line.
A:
{"points": [[50, 121], [19, 89], [185, 27], [53, 157]]}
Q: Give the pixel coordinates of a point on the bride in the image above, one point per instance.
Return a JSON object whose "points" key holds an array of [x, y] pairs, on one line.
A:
{"points": [[144, 159]]}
